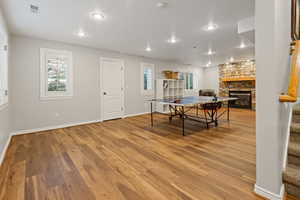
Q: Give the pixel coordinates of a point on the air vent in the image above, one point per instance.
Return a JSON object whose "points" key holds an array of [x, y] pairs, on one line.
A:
{"points": [[162, 4], [34, 9]]}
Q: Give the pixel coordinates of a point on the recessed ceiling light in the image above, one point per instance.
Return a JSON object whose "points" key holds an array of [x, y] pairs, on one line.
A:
{"points": [[97, 16], [162, 4], [208, 64], [210, 27], [210, 52], [242, 46], [148, 49], [81, 34], [172, 40]]}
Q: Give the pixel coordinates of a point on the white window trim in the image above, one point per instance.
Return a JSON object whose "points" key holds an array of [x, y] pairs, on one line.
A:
{"points": [[4, 73], [195, 81], [44, 95], [147, 92]]}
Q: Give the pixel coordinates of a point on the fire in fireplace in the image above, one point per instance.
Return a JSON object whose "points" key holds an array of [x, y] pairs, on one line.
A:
{"points": [[244, 99]]}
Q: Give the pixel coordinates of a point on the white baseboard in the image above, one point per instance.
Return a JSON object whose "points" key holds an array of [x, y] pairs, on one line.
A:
{"points": [[287, 139], [22, 132], [137, 114], [3, 153], [269, 195]]}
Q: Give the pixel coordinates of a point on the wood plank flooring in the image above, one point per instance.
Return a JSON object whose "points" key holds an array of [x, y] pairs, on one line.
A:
{"points": [[126, 159]]}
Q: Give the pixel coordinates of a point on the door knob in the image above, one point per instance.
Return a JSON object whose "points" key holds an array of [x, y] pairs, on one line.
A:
{"points": [[104, 93]]}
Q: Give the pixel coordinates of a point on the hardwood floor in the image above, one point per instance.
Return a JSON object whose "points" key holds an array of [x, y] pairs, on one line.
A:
{"points": [[127, 159]]}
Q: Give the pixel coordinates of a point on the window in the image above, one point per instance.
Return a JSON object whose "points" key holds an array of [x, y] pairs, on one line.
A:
{"points": [[190, 80], [3, 71], [147, 76], [56, 74]]}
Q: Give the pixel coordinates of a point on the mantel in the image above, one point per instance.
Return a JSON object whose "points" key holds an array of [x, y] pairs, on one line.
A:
{"points": [[232, 79]]}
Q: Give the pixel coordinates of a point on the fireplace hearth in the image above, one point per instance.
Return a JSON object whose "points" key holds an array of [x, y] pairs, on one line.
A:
{"points": [[244, 99]]}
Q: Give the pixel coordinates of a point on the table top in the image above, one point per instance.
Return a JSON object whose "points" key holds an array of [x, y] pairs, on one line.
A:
{"points": [[192, 100]]}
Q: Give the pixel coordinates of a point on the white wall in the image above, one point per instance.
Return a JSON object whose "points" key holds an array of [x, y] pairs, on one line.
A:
{"points": [[4, 110], [272, 64], [31, 113], [211, 78]]}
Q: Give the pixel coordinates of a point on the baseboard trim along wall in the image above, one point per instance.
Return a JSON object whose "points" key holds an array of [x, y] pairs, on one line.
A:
{"points": [[22, 132], [269, 195], [137, 114], [5, 149], [48, 128]]}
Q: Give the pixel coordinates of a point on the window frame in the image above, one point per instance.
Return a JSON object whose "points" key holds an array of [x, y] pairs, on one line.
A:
{"points": [[44, 93], [4, 72], [195, 81], [143, 67]]}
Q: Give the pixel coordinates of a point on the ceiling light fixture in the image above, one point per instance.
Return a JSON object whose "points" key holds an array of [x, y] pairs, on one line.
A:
{"points": [[242, 46], [148, 49], [210, 52], [208, 64], [97, 16], [210, 27], [81, 34], [172, 40]]}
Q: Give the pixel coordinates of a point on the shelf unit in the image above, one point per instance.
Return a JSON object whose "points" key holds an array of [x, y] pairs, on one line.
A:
{"points": [[168, 88]]}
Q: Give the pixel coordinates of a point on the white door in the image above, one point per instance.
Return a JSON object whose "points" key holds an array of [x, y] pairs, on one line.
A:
{"points": [[112, 88]]}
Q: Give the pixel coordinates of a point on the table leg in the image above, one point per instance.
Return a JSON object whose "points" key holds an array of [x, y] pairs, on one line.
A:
{"points": [[228, 108], [183, 120], [216, 117], [151, 106], [171, 113]]}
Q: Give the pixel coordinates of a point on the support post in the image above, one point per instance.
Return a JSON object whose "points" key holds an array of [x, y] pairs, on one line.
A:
{"points": [[151, 106], [182, 108]]}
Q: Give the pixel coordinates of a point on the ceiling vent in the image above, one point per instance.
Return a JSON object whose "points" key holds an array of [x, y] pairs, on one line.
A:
{"points": [[162, 4], [34, 9]]}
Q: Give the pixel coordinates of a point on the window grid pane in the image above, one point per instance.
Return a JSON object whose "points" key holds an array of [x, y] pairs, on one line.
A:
{"points": [[57, 75], [148, 79], [191, 81], [188, 80]]}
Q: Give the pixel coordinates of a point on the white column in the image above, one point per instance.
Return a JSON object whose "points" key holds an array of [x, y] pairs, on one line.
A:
{"points": [[272, 19]]}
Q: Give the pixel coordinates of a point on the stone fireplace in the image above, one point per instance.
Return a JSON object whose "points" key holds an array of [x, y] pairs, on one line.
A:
{"points": [[238, 79], [244, 99]]}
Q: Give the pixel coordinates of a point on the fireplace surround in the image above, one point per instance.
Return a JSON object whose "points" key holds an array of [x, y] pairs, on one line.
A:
{"points": [[244, 99], [239, 77]]}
